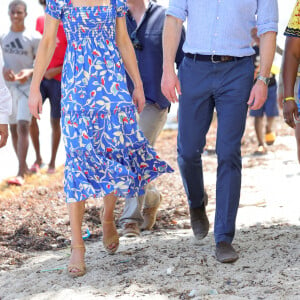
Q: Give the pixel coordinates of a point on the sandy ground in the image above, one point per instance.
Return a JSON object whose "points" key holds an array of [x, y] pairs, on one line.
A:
{"points": [[170, 264]]}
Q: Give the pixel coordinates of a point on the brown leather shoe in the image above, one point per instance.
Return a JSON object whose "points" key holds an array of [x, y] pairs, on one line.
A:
{"points": [[225, 253], [131, 230], [149, 215], [199, 220]]}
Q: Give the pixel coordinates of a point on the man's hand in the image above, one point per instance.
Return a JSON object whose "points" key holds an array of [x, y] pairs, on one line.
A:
{"points": [[138, 98], [290, 113], [24, 75], [169, 85], [9, 74], [3, 134], [258, 95], [35, 103]]}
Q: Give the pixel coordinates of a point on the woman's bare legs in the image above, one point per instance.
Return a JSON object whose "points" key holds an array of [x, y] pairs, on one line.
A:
{"points": [[107, 219], [76, 212]]}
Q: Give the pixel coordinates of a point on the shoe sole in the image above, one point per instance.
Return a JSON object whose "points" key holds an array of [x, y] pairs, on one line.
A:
{"points": [[199, 237], [228, 260], [130, 235]]}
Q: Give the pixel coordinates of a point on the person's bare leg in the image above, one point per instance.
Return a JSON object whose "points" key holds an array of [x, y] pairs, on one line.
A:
{"points": [[35, 134], [23, 142], [270, 135], [76, 212], [56, 133], [14, 137], [269, 126], [258, 125], [297, 134], [108, 225]]}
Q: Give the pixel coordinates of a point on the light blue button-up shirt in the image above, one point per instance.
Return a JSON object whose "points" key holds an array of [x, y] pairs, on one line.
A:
{"points": [[223, 27]]}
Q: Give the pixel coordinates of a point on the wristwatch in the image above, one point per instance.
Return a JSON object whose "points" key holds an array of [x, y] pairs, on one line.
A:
{"points": [[265, 80]]}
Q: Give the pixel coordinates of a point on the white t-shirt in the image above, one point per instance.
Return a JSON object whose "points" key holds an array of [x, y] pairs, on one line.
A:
{"points": [[19, 50], [5, 97]]}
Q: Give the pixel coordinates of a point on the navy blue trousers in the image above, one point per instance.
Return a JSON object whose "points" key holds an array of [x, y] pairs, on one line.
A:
{"points": [[226, 87]]}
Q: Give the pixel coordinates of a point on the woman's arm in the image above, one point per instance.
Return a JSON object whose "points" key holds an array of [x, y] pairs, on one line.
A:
{"points": [[128, 56], [43, 58]]}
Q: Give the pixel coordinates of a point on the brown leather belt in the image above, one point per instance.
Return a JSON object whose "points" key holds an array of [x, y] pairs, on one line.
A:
{"points": [[212, 58]]}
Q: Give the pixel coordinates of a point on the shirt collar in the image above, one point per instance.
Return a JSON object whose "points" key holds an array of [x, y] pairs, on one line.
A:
{"points": [[144, 15]]}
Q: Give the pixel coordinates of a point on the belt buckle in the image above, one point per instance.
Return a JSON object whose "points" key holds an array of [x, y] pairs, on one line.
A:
{"points": [[214, 61]]}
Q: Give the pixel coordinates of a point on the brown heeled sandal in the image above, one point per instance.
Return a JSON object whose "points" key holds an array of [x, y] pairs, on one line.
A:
{"points": [[80, 267], [113, 239]]}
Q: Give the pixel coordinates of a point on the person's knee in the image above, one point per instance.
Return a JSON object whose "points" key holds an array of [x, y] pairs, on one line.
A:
{"points": [[258, 120], [230, 155], [13, 129], [33, 122], [23, 127], [150, 132], [55, 123], [34, 127], [189, 157]]}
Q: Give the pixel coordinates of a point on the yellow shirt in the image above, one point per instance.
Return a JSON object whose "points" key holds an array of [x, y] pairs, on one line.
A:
{"points": [[293, 28]]}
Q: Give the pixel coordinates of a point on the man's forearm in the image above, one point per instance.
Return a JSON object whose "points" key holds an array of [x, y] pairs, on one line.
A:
{"points": [[290, 65], [267, 49], [171, 38]]}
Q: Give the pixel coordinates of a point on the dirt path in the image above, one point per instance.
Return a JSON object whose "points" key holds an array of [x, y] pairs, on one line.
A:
{"points": [[168, 264]]}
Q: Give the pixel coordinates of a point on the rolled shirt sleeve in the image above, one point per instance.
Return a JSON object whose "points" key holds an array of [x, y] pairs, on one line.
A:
{"points": [[267, 16], [178, 9]]}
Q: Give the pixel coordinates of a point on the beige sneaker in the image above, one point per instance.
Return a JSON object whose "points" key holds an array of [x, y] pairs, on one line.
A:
{"points": [[149, 215], [131, 230]]}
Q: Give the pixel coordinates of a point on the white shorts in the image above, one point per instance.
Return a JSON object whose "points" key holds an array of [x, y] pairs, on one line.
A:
{"points": [[20, 108]]}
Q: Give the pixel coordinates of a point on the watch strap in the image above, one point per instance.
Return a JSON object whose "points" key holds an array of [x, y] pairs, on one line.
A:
{"points": [[265, 80]]}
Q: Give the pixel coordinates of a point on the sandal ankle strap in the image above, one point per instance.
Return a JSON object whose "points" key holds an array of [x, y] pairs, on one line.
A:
{"points": [[77, 247], [107, 222]]}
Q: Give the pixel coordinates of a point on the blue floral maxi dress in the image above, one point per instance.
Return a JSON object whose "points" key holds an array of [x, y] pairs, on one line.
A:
{"points": [[106, 152]]}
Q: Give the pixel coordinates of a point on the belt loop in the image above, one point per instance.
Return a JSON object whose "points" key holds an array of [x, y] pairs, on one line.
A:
{"points": [[195, 57]]}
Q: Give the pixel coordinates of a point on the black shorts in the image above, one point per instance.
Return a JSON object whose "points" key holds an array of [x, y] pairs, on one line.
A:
{"points": [[51, 89]]}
